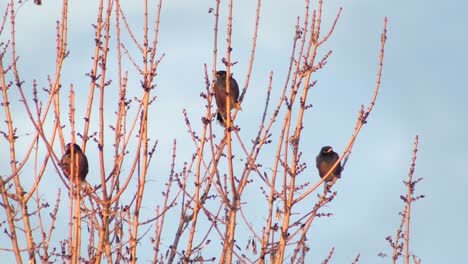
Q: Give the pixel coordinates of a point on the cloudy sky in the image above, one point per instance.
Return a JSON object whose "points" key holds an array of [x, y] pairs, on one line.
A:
{"points": [[423, 93]]}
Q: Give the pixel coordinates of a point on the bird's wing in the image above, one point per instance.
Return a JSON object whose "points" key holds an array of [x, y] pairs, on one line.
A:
{"points": [[220, 96], [338, 168], [65, 165], [235, 90], [84, 163]]}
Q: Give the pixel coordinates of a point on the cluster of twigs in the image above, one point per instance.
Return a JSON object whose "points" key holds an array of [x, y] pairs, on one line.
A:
{"points": [[202, 203], [400, 243]]}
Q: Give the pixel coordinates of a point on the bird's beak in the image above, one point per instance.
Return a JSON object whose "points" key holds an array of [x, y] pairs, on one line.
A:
{"points": [[329, 150]]}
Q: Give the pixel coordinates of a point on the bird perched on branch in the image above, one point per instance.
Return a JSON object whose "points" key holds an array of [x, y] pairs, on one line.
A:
{"points": [[220, 95], [325, 161], [80, 168]]}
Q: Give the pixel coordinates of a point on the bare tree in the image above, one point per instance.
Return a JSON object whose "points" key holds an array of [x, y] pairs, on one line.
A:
{"points": [[201, 209]]}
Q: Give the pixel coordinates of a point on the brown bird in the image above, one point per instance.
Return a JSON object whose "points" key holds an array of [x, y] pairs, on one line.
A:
{"points": [[325, 161], [220, 95], [80, 168]]}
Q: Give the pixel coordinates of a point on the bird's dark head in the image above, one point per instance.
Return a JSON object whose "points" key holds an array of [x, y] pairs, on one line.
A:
{"points": [[69, 147], [326, 150], [221, 74]]}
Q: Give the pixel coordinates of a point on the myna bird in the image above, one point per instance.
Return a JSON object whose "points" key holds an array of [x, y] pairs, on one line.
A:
{"points": [[325, 161], [80, 168], [220, 95]]}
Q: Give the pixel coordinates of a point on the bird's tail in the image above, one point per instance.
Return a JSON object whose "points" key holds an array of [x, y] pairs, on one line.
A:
{"points": [[220, 119]]}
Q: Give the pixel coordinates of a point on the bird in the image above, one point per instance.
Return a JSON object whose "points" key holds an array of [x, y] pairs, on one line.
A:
{"points": [[325, 161], [80, 169], [220, 95]]}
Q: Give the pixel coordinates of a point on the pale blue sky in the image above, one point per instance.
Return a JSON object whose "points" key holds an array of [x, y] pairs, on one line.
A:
{"points": [[423, 92]]}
